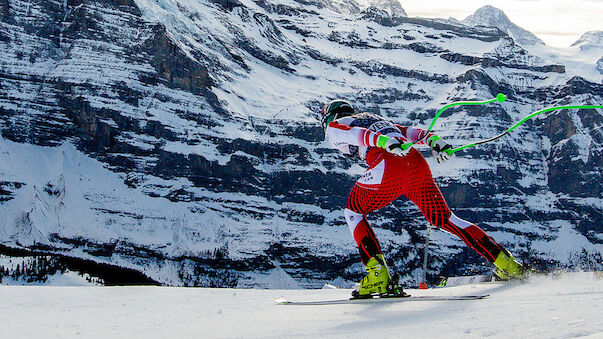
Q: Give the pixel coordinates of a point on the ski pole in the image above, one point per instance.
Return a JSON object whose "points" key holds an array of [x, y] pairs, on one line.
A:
{"points": [[423, 284], [450, 151], [499, 97]]}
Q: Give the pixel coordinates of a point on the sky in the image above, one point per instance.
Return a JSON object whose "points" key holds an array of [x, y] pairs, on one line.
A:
{"points": [[559, 23]]}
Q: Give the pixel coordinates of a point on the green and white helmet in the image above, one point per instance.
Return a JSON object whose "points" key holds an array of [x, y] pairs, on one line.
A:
{"points": [[334, 110]]}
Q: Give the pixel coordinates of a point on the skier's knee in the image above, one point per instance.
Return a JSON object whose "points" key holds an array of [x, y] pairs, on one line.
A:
{"points": [[461, 223], [353, 219]]}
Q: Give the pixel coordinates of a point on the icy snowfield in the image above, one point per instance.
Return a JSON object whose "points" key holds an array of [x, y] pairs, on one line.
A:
{"points": [[544, 307]]}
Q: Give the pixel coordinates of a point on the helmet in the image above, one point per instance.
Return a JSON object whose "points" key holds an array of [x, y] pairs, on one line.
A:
{"points": [[334, 110]]}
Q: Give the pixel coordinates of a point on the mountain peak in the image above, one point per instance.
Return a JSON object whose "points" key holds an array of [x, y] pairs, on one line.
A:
{"points": [[493, 17], [391, 7], [488, 15], [590, 40]]}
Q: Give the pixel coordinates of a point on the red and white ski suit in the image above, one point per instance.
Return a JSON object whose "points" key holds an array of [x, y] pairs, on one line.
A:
{"points": [[389, 176]]}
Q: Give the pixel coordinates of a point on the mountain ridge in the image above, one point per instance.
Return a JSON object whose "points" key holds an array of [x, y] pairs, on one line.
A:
{"points": [[200, 119]]}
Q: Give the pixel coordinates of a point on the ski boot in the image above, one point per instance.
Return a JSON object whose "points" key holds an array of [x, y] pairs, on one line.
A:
{"points": [[394, 289], [378, 281], [508, 267]]}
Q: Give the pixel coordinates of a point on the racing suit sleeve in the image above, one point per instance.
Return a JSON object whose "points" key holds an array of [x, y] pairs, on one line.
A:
{"points": [[340, 134], [414, 134]]}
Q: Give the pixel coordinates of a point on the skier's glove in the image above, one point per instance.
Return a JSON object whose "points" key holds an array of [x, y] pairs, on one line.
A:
{"points": [[439, 146], [392, 145]]}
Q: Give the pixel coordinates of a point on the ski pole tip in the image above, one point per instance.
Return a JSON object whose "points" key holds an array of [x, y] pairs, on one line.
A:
{"points": [[501, 97]]}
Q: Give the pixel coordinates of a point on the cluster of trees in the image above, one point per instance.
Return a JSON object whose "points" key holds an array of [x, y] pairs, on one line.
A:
{"points": [[37, 269], [33, 269]]}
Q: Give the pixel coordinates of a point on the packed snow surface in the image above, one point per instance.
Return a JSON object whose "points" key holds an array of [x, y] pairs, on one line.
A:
{"points": [[543, 307]]}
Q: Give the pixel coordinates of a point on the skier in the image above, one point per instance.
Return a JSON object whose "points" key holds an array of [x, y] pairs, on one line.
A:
{"points": [[392, 172]]}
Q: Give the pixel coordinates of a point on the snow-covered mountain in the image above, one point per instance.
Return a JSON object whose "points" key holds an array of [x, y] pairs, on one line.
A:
{"points": [[390, 7], [590, 46], [180, 138], [590, 40], [494, 17]]}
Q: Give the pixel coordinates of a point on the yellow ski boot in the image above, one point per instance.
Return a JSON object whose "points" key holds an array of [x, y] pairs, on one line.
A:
{"points": [[377, 279], [508, 267]]}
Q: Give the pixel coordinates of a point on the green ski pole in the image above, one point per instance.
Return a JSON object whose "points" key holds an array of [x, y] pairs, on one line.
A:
{"points": [[500, 98], [530, 116]]}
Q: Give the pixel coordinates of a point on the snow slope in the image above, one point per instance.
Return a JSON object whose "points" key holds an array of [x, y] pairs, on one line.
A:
{"points": [[568, 306], [58, 177]]}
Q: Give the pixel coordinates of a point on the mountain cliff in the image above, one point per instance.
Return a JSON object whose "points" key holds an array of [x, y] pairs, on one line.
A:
{"points": [[181, 138]]}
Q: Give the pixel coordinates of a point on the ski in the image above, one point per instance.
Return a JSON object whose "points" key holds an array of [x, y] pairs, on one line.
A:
{"points": [[282, 301], [466, 280]]}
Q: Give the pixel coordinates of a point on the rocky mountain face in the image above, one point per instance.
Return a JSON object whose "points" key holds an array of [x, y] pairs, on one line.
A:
{"points": [[493, 17], [392, 8], [181, 139]]}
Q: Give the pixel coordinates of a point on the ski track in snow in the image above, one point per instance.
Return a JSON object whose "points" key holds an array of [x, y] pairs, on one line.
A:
{"points": [[544, 307]]}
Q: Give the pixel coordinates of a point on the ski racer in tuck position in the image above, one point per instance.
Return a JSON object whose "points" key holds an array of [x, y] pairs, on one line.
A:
{"points": [[393, 172]]}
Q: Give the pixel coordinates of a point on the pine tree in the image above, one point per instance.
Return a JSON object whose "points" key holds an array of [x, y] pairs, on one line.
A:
{"points": [[17, 272]]}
